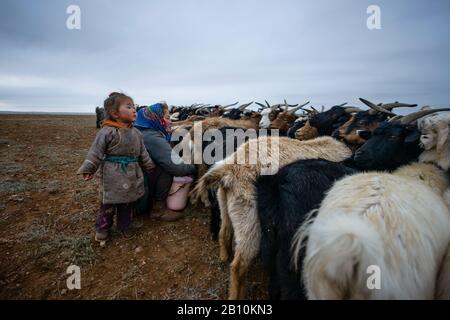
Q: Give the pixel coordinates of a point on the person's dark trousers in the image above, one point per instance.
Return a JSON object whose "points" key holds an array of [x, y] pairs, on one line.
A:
{"points": [[105, 217], [157, 185]]}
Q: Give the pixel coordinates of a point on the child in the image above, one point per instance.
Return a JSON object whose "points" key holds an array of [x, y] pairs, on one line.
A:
{"points": [[119, 151]]}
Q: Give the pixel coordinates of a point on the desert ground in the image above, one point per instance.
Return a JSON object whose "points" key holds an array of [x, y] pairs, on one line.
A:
{"points": [[47, 216]]}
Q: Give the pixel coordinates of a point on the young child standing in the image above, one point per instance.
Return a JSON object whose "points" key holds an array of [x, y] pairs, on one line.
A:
{"points": [[119, 151]]}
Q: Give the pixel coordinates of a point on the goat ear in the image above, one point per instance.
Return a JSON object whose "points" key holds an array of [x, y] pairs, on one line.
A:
{"points": [[413, 136], [442, 137]]}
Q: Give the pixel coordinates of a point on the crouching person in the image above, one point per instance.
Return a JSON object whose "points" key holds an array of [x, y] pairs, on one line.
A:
{"points": [[119, 151], [154, 123]]}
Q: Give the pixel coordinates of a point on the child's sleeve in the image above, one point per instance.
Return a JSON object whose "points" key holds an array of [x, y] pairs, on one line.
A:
{"points": [[145, 160], [95, 154]]}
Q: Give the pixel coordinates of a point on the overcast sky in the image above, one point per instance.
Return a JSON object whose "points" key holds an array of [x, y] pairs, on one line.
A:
{"points": [[211, 51]]}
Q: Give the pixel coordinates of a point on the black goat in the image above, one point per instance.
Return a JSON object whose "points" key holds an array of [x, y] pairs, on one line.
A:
{"points": [[184, 113], [328, 121], [389, 146], [284, 201]]}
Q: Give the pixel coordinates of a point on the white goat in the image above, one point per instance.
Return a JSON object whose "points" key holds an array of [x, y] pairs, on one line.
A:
{"points": [[435, 132], [398, 222], [435, 140]]}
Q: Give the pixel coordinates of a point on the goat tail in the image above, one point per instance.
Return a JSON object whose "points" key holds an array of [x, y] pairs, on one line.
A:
{"points": [[339, 250], [209, 181]]}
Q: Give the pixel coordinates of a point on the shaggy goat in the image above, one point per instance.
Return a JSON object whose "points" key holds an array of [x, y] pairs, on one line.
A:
{"points": [[226, 133], [394, 223], [435, 139], [237, 194]]}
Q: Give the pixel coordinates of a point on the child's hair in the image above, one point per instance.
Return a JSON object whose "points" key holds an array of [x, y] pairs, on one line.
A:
{"points": [[113, 102]]}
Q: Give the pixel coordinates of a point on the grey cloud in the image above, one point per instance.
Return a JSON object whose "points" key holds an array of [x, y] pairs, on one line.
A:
{"points": [[222, 51]]}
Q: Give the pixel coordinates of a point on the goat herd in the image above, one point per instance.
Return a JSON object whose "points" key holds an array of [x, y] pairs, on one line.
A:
{"points": [[358, 209]]}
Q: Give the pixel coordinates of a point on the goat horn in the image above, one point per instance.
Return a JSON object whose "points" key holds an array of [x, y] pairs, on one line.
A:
{"points": [[390, 106], [230, 105], [419, 114], [302, 105], [242, 108], [290, 105], [376, 107], [315, 110], [261, 105], [341, 105], [298, 108]]}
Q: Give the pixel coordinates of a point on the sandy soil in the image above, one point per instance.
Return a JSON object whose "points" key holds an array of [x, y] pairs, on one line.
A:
{"points": [[47, 216]]}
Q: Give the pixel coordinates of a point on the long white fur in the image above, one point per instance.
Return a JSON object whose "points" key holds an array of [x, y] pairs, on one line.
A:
{"points": [[398, 222]]}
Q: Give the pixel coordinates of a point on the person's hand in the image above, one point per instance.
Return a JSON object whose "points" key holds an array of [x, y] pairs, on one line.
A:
{"points": [[87, 176]]}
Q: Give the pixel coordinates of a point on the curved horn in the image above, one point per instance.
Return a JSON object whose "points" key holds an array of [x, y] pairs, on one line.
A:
{"points": [[298, 108], [242, 108], [376, 107], [419, 114], [230, 105], [261, 105], [290, 105], [341, 105], [390, 106], [309, 111]]}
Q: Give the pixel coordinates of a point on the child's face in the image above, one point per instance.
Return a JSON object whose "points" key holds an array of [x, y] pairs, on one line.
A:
{"points": [[126, 113]]}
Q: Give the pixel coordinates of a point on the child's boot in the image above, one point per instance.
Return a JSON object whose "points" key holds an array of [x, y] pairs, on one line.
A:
{"points": [[101, 236]]}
